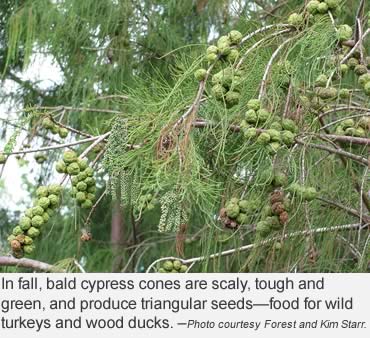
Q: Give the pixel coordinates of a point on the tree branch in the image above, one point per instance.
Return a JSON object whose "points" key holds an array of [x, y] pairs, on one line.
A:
{"points": [[262, 243], [25, 84], [268, 67], [351, 211], [58, 146], [339, 151], [28, 263]]}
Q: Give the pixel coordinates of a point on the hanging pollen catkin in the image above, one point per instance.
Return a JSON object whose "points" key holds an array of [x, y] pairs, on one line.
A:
{"points": [[116, 148], [126, 183], [172, 215]]}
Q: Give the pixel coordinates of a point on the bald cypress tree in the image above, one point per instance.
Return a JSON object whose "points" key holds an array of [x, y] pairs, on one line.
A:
{"points": [[194, 136]]}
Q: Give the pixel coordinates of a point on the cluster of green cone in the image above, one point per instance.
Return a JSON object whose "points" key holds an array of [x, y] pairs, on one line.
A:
{"points": [[303, 192], [226, 49], [259, 126], [83, 183], [275, 214], [227, 82], [30, 225], [175, 266], [320, 7], [361, 67], [226, 86], [315, 9], [364, 82], [237, 211], [49, 125], [350, 127], [325, 93], [322, 91]]}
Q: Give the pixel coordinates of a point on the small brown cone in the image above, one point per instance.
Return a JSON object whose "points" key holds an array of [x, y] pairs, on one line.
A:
{"points": [[15, 245], [276, 196], [278, 208], [284, 217]]}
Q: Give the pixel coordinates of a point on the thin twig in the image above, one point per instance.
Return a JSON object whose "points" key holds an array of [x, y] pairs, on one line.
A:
{"points": [[359, 15], [73, 130], [263, 29], [344, 108], [343, 119], [57, 146], [99, 139], [360, 32], [79, 266], [354, 48], [108, 97], [84, 109], [332, 20], [195, 105], [259, 42], [95, 206]]}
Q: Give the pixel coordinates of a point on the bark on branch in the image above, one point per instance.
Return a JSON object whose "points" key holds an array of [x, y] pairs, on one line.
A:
{"points": [[28, 263]]}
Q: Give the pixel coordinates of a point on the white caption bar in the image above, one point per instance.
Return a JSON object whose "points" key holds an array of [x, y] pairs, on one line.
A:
{"points": [[164, 305]]}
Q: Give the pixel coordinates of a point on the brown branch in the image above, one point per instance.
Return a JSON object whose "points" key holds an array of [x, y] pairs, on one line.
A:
{"points": [[347, 139], [98, 140], [337, 151], [343, 119], [28, 263], [351, 211]]}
